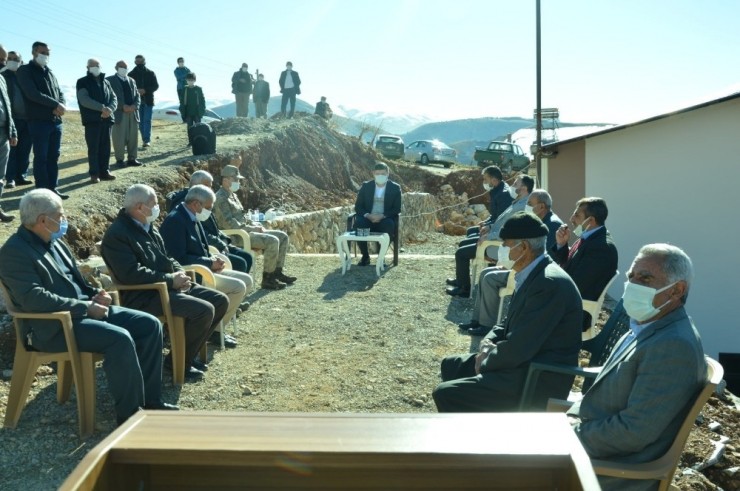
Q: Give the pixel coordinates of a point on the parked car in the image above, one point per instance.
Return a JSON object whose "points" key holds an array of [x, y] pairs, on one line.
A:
{"points": [[426, 151], [390, 146], [508, 156], [173, 114]]}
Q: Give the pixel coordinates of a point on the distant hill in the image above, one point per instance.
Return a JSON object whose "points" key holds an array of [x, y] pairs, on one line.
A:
{"points": [[395, 124], [477, 129]]}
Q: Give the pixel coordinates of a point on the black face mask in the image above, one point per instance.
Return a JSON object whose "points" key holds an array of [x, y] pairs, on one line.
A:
{"points": [[140, 65]]}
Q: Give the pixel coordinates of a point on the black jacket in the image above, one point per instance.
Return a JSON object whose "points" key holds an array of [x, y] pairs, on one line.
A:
{"points": [[296, 81], [147, 80], [100, 91], [10, 130], [261, 92], [15, 94], [214, 236], [499, 200], [185, 239], [41, 92], [241, 82], [391, 204]]}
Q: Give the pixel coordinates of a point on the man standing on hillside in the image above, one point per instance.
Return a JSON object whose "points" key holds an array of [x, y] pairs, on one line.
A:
{"points": [[290, 87], [180, 73], [125, 128], [8, 135], [97, 103], [18, 160], [229, 213], [44, 103], [323, 109], [261, 96], [241, 87], [147, 85]]}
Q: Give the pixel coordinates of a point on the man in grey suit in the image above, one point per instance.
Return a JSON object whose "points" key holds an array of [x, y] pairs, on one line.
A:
{"points": [[41, 275], [636, 405], [543, 325], [125, 133]]}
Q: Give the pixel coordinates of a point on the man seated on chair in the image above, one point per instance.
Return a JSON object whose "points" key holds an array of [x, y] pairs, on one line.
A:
{"points": [[135, 254], [241, 260], [499, 199], [543, 325], [229, 213], [487, 299], [41, 276], [186, 242], [636, 405], [377, 207], [592, 260], [460, 284]]}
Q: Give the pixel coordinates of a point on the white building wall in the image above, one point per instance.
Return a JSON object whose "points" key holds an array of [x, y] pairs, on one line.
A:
{"points": [[677, 180]]}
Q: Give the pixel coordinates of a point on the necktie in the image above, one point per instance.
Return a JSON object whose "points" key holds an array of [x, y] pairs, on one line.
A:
{"points": [[574, 248]]}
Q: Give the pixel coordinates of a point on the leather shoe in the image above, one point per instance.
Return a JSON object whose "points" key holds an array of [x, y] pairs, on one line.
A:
{"points": [[229, 341], [203, 367], [107, 176], [452, 282], [120, 163], [9, 184], [458, 292], [244, 306], [94, 179], [61, 195], [23, 182], [193, 374], [468, 325], [364, 261], [162, 406], [134, 163], [478, 331], [5, 218]]}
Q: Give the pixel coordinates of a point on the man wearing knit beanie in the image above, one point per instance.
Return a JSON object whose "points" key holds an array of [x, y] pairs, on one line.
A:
{"points": [[543, 325]]}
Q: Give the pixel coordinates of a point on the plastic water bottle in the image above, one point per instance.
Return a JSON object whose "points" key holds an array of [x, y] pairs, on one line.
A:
{"points": [[257, 215], [250, 214]]}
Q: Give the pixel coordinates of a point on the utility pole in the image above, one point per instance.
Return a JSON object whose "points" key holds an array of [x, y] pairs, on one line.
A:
{"points": [[538, 154]]}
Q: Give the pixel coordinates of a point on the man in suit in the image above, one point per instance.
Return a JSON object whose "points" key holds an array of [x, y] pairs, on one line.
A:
{"points": [[135, 254], [186, 242], [460, 284], [377, 206], [635, 407], [241, 260], [147, 85], [241, 87], [542, 325], [499, 199], [290, 87], [8, 136], [229, 213], [125, 129], [487, 300], [42, 276], [592, 259]]}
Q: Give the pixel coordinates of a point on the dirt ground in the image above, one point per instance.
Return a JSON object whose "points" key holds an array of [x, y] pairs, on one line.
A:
{"points": [[293, 356]]}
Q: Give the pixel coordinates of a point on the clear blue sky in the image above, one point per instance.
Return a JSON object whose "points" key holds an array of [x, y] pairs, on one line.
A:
{"points": [[602, 61]]}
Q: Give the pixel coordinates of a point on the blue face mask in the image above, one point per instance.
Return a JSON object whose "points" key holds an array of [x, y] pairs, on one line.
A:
{"points": [[62, 229]]}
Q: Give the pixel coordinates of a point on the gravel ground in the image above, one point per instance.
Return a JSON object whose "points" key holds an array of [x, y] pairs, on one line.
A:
{"points": [[330, 343]]}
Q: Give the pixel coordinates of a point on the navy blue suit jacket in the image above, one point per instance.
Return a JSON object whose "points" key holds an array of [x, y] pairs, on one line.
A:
{"points": [[184, 238]]}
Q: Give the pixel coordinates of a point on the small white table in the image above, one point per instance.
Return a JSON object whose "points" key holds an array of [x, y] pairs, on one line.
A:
{"points": [[344, 254]]}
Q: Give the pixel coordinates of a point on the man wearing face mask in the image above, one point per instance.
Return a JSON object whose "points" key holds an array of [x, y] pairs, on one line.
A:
{"points": [[542, 325], [98, 105], [499, 199], [290, 87], [229, 213], [377, 207], [635, 407], [187, 243], [592, 259], [18, 159], [125, 131], [8, 135], [135, 254], [241, 87], [41, 275], [487, 300], [147, 85], [460, 285], [45, 106]]}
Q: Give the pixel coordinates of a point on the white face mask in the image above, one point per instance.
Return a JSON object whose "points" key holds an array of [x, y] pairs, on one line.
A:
{"points": [[245, 70], [13, 65], [638, 301], [154, 215], [486, 186], [203, 215], [578, 231], [529, 209], [512, 192], [503, 256], [381, 179], [42, 60], [94, 70], [234, 187], [122, 72]]}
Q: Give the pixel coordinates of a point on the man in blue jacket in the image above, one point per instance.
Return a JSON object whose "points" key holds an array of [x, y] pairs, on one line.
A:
{"points": [[45, 106], [98, 104]]}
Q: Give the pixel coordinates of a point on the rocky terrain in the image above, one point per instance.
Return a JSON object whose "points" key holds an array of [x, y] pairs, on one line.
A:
{"points": [[319, 345]]}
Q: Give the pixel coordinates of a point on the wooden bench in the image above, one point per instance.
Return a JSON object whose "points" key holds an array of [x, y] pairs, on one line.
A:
{"points": [[217, 450]]}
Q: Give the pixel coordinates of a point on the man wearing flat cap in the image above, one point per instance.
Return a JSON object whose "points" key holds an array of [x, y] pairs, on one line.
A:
{"points": [[543, 324]]}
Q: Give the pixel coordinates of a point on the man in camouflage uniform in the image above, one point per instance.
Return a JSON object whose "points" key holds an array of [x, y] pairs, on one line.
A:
{"points": [[229, 213]]}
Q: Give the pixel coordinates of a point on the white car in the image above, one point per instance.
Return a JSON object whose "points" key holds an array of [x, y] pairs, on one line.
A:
{"points": [[173, 114], [426, 151]]}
